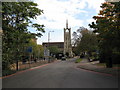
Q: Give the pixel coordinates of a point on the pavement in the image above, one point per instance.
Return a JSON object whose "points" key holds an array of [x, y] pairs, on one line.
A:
{"points": [[59, 74], [85, 64], [28, 65]]}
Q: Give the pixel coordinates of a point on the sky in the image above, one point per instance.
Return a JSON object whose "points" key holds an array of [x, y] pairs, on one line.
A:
{"points": [[56, 12]]}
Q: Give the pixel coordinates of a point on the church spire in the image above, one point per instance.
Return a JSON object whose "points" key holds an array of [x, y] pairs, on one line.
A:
{"points": [[66, 23]]}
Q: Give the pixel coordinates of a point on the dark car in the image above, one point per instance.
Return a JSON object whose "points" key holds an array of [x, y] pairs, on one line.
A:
{"points": [[63, 58], [82, 55]]}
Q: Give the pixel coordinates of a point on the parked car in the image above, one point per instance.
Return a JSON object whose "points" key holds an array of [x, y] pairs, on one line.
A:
{"points": [[63, 58], [82, 55]]}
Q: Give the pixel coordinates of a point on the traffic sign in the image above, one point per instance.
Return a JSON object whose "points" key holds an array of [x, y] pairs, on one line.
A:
{"points": [[46, 52], [29, 49]]}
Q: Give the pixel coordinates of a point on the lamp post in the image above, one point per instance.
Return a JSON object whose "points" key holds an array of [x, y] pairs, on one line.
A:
{"points": [[49, 45]]}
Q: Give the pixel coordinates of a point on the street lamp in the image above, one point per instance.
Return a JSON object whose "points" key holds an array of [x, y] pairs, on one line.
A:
{"points": [[49, 45], [49, 36]]}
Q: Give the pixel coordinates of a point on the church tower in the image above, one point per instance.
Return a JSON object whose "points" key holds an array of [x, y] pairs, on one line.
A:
{"points": [[67, 41]]}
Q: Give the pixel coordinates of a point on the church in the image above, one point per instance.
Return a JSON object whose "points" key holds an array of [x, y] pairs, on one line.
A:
{"points": [[65, 47]]}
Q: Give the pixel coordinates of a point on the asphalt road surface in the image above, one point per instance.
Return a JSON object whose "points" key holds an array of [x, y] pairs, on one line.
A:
{"points": [[60, 74]]}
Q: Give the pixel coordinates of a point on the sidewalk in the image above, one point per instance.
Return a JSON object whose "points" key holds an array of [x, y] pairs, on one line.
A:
{"points": [[27, 65], [84, 64]]}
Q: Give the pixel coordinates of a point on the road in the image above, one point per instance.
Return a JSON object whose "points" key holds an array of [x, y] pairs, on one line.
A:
{"points": [[60, 74]]}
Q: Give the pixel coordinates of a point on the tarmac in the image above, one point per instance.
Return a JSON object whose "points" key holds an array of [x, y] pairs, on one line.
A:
{"points": [[85, 64]]}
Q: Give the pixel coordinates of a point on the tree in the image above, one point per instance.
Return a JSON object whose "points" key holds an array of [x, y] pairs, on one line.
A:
{"points": [[37, 50], [16, 18], [41, 51], [88, 42], [54, 50], [84, 41], [76, 39], [108, 33]]}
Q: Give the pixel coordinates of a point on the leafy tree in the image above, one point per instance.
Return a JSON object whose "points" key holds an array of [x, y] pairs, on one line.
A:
{"points": [[54, 49], [88, 42], [41, 51], [84, 41], [37, 50], [76, 40], [108, 28], [16, 18]]}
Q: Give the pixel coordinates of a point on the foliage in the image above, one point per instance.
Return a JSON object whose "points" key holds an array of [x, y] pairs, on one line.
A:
{"points": [[37, 50], [78, 60], [108, 28], [77, 36], [41, 51], [88, 42], [16, 18], [85, 41], [7, 72], [54, 49], [76, 40]]}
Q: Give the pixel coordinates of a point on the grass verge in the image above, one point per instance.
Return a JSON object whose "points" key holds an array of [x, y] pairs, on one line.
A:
{"points": [[8, 72], [78, 60], [103, 64]]}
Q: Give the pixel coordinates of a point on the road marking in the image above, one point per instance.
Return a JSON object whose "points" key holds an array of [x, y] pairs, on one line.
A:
{"points": [[24, 71]]}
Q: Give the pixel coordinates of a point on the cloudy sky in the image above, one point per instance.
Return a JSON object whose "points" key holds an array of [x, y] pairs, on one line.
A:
{"points": [[78, 12]]}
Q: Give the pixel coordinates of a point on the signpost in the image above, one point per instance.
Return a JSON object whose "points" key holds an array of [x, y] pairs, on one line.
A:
{"points": [[29, 50], [46, 53]]}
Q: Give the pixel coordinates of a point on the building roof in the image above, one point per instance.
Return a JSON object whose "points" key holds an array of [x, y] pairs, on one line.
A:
{"points": [[58, 44], [53, 43]]}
